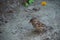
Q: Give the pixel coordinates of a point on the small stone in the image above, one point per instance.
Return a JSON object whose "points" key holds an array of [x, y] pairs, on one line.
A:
{"points": [[11, 11], [55, 33], [50, 28], [6, 21], [0, 32], [21, 27], [36, 9], [1, 19], [46, 39], [25, 10]]}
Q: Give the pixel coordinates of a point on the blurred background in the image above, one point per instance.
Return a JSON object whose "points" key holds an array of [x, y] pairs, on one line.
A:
{"points": [[14, 20]]}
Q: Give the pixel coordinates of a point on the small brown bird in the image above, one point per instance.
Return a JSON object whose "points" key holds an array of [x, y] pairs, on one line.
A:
{"points": [[39, 26]]}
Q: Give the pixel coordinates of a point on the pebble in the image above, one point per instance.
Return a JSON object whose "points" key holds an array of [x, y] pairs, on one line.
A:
{"points": [[11, 11], [6, 21], [46, 39], [0, 32], [36, 9]]}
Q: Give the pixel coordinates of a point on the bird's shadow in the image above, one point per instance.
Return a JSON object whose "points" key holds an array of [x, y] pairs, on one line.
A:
{"points": [[37, 33], [34, 33]]}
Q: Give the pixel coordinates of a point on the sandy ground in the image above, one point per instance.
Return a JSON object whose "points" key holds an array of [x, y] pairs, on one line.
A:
{"points": [[19, 28]]}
